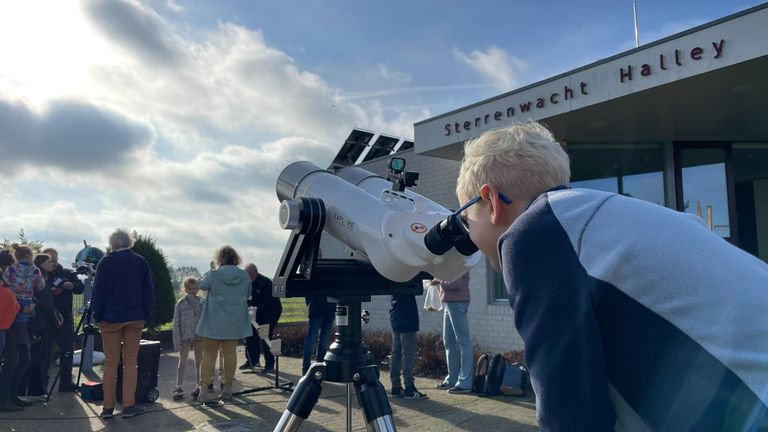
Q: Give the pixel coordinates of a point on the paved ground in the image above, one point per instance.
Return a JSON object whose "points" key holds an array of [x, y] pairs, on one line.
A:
{"points": [[260, 411]]}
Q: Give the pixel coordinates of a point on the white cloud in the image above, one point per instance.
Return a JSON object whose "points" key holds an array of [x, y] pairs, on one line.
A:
{"points": [[498, 67], [173, 6], [178, 138]]}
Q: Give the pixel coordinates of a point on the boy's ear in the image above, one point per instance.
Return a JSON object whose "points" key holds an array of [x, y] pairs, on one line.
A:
{"points": [[490, 196]]}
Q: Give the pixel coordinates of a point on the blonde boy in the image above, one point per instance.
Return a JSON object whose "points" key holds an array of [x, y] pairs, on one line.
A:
{"points": [[634, 316], [185, 318]]}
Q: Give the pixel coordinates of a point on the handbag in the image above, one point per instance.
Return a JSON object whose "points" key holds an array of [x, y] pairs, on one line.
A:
{"points": [[432, 297]]}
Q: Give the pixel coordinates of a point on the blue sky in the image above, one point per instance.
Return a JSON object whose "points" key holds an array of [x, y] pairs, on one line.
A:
{"points": [[175, 117]]}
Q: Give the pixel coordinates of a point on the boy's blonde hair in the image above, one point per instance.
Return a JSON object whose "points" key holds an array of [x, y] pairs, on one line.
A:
{"points": [[188, 281], [522, 161]]}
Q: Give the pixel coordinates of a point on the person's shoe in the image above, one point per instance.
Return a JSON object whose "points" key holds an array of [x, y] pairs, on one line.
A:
{"points": [[207, 396], [396, 391], [414, 393], [268, 369], [443, 386], [7, 406], [195, 393], [226, 393], [36, 398], [133, 411], [67, 387], [178, 394], [107, 413], [19, 402], [459, 390]]}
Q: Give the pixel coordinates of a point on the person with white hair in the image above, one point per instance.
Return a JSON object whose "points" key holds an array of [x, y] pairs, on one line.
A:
{"points": [[634, 316], [123, 300]]}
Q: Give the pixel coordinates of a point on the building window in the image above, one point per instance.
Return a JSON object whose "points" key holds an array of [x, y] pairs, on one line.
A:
{"points": [[750, 168], [498, 291], [631, 169]]}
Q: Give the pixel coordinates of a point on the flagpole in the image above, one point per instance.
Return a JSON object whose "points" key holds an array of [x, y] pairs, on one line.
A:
{"points": [[637, 33]]}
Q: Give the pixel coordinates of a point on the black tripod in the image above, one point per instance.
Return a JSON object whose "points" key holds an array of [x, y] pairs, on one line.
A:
{"points": [[89, 330], [347, 361], [279, 384]]}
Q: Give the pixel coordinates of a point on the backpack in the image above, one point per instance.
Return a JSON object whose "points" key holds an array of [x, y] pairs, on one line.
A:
{"points": [[512, 383], [489, 374], [481, 371]]}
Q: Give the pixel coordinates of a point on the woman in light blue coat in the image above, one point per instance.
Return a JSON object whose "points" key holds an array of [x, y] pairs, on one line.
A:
{"points": [[224, 319]]}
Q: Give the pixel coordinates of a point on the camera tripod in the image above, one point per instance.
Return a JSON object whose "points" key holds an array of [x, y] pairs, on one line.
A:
{"points": [[280, 384], [347, 361], [89, 330]]}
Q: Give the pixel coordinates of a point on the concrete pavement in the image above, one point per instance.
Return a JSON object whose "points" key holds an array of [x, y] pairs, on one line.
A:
{"points": [[260, 411]]}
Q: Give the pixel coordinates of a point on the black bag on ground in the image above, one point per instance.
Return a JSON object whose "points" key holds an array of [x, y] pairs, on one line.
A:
{"points": [[488, 374], [148, 363], [495, 375], [481, 371]]}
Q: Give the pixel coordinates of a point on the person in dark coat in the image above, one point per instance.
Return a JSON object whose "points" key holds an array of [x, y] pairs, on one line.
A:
{"points": [[404, 317], [65, 286], [252, 342], [123, 300], [268, 311]]}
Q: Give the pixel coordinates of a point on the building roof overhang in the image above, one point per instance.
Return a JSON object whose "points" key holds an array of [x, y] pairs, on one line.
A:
{"points": [[705, 84]]}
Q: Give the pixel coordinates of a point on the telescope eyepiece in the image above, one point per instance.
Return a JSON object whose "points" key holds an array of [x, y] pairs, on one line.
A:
{"points": [[450, 232]]}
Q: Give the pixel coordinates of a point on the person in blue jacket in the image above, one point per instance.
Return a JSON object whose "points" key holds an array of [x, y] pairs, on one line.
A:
{"points": [[224, 319], [634, 316]]}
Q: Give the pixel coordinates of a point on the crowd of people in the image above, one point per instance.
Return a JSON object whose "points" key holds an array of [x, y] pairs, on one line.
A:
{"points": [[36, 297], [36, 304]]}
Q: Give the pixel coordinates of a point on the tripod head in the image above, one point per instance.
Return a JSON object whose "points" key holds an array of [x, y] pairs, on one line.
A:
{"points": [[86, 321]]}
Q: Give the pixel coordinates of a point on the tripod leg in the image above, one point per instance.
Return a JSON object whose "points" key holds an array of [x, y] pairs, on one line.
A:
{"points": [[303, 399], [80, 324], [53, 385], [82, 353], [373, 400]]}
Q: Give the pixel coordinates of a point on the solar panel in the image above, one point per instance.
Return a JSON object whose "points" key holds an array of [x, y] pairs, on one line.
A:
{"points": [[406, 145], [382, 147], [352, 149]]}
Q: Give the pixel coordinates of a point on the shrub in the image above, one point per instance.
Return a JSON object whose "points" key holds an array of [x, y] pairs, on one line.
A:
{"points": [[292, 336], [430, 352], [430, 355], [379, 343], [165, 299]]}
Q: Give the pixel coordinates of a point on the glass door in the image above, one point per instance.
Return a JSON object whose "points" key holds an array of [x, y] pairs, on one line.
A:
{"points": [[704, 181]]}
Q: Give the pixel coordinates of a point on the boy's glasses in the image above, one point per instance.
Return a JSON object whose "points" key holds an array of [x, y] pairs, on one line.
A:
{"points": [[453, 231], [474, 201]]}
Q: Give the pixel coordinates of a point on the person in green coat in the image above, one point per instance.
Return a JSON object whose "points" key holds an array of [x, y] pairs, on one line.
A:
{"points": [[224, 319]]}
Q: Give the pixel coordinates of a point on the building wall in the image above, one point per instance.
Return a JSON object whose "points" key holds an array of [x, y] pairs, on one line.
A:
{"points": [[491, 324]]}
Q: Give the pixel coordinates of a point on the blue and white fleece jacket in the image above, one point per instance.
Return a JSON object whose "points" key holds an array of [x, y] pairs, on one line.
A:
{"points": [[636, 317]]}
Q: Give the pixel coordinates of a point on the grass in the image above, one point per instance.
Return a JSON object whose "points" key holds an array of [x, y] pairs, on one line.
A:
{"points": [[294, 310]]}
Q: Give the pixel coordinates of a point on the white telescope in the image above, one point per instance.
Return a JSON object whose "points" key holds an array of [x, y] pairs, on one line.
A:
{"points": [[377, 222]]}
